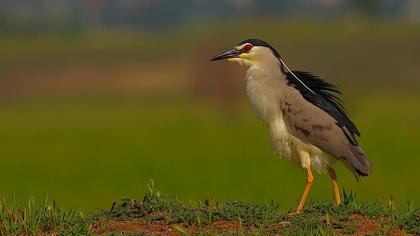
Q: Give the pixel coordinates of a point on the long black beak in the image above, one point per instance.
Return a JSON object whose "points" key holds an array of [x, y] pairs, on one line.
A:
{"points": [[228, 54]]}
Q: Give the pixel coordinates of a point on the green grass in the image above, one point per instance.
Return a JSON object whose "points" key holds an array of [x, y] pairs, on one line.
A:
{"points": [[317, 218], [201, 217], [37, 219]]}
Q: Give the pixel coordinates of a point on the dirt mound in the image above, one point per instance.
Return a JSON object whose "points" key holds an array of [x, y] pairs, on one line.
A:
{"points": [[354, 225]]}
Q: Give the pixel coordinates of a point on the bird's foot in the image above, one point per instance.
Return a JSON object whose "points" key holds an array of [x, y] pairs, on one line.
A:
{"points": [[294, 213]]}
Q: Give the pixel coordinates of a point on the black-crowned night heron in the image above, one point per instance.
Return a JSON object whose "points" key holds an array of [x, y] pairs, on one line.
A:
{"points": [[306, 120]]}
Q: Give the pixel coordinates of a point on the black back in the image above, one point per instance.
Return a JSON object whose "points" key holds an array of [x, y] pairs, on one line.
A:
{"points": [[326, 98]]}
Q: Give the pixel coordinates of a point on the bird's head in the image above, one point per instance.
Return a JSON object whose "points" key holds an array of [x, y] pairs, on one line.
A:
{"points": [[250, 52]]}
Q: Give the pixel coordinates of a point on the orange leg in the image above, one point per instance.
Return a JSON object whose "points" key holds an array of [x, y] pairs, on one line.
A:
{"points": [[309, 181], [335, 185]]}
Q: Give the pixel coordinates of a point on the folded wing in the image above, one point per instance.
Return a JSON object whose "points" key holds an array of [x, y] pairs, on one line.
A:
{"points": [[319, 119]]}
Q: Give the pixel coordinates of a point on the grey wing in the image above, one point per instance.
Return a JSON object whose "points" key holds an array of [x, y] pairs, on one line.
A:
{"points": [[313, 125]]}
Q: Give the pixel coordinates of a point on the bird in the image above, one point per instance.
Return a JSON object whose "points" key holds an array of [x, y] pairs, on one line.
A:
{"points": [[306, 120]]}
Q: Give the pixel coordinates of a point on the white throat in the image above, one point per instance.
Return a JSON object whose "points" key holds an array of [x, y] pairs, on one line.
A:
{"points": [[265, 87]]}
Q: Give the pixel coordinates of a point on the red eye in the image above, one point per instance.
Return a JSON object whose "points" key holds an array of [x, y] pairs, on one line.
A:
{"points": [[247, 47]]}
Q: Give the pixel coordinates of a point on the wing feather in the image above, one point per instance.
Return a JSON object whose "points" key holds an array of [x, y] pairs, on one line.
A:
{"points": [[325, 97], [320, 127]]}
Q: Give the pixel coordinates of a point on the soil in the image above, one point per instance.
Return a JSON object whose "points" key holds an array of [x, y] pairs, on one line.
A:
{"points": [[363, 225], [356, 225]]}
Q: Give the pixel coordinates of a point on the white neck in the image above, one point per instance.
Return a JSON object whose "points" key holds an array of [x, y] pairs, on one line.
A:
{"points": [[265, 84]]}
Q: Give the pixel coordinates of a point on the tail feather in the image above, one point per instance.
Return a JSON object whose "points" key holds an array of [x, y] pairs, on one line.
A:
{"points": [[361, 164]]}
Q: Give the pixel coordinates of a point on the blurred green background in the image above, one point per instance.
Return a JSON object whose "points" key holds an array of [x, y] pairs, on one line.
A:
{"points": [[98, 97]]}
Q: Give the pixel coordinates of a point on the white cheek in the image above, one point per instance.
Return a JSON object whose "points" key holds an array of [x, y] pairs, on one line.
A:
{"points": [[235, 59], [240, 61]]}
